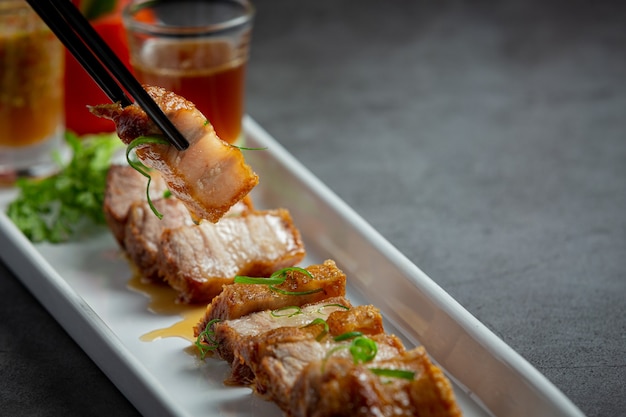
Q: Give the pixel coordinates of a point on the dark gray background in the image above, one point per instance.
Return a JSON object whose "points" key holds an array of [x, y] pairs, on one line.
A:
{"points": [[484, 139]]}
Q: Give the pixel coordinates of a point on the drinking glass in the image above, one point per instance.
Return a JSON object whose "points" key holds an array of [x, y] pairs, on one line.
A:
{"points": [[31, 93], [199, 50]]}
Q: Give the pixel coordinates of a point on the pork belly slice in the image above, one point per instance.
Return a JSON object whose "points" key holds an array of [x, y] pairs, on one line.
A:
{"points": [[231, 335], [144, 230], [238, 340], [278, 357], [198, 261], [124, 186], [342, 388], [238, 300], [209, 177]]}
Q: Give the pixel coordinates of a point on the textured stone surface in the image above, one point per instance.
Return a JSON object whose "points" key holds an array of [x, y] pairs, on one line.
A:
{"points": [[486, 140]]}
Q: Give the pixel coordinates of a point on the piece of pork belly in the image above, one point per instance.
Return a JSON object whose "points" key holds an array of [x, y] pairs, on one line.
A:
{"points": [[124, 186], [199, 261], [144, 230], [339, 387], [277, 357], [237, 300], [231, 335], [209, 177]]}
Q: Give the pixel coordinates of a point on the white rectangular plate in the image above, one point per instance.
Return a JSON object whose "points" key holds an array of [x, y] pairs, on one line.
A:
{"points": [[84, 286]]}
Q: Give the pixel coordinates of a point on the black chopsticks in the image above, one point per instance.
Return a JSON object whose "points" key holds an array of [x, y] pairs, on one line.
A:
{"points": [[81, 39]]}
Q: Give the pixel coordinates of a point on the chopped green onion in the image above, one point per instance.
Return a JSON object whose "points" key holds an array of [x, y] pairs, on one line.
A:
{"points": [[277, 278], [285, 292], [140, 167], [324, 332], [347, 336], [394, 373], [243, 148], [280, 312], [205, 342], [320, 310], [363, 349], [239, 279]]}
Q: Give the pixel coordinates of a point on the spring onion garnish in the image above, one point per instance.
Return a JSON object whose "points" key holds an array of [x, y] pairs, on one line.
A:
{"points": [[362, 348], [347, 336], [205, 342], [243, 148], [321, 309], [141, 168], [167, 194], [323, 332], [394, 373], [288, 311], [277, 278]]}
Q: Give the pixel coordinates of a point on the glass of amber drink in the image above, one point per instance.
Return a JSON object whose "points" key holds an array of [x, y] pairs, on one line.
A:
{"points": [[31, 93], [198, 49]]}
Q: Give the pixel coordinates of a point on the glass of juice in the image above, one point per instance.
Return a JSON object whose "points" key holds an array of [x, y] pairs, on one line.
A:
{"points": [[31, 93], [198, 49]]}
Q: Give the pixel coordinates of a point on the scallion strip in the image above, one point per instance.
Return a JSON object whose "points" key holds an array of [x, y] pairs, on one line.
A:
{"points": [[347, 336], [323, 332], [320, 310], [140, 167], [363, 349], [278, 278], [280, 312], [206, 342], [394, 373]]}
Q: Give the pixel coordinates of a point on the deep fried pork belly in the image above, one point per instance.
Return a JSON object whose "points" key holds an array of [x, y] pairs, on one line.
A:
{"points": [[238, 300], [305, 356], [278, 357], [231, 336], [339, 387], [198, 261], [209, 177], [144, 230], [124, 186]]}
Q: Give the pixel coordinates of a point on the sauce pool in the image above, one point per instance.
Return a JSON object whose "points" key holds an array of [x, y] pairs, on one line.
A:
{"points": [[163, 302]]}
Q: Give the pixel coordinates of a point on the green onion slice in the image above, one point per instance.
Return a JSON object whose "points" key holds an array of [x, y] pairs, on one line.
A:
{"points": [[347, 336], [321, 309], [288, 311], [244, 148], [277, 278], [363, 349], [205, 342], [140, 167], [324, 332], [394, 373]]}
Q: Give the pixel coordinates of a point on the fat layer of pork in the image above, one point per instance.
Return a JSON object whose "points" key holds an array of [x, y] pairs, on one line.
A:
{"points": [[198, 261]]}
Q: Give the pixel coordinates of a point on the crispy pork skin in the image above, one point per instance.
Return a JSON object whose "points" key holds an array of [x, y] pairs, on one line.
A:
{"points": [[209, 177], [365, 319], [231, 336], [124, 186], [339, 387], [238, 300], [199, 261]]}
